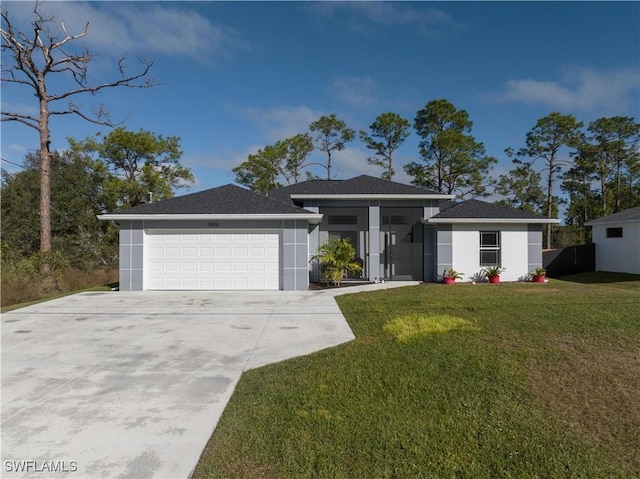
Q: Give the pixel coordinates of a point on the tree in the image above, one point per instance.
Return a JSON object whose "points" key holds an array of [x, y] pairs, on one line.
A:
{"points": [[332, 135], [544, 142], [32, 59], [284, 160], [521, 189], [584, 202], [452, 160], [613, 152], [392, 130], [76, 192], [138, 163], [296, 151], [260, 171]]}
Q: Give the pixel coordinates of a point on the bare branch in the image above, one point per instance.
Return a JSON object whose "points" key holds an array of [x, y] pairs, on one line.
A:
{"points": [[25, 119], [124, 82]]}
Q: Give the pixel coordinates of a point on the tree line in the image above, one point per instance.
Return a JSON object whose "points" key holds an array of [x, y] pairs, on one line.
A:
{"points": [[597, 167], [93, 176]]}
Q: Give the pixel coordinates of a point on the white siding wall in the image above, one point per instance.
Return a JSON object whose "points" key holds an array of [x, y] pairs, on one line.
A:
{"points": [[514, 250], [620, 255]]}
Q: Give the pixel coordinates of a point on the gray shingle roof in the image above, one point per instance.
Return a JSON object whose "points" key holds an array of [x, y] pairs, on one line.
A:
{"points": [[482, 209], [227, 199], [626, 215], [360, 185]]}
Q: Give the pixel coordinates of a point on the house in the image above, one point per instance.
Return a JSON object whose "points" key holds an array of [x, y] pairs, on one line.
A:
{"points": [[229, 238], [617, 240]]}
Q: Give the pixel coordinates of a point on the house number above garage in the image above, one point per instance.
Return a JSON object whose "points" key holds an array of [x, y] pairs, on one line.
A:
{"points": [[213, 224]]}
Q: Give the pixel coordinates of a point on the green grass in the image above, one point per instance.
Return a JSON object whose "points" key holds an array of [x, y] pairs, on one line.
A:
{"points": [[539, 381]]}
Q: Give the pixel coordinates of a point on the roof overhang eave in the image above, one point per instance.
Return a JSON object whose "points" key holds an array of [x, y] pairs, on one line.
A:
{"points": [[436, 196], [313, 218], [612, 222], [491, 220]]}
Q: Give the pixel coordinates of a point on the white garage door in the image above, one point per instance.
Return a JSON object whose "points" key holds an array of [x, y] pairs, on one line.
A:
{"points": [[205, 261]]}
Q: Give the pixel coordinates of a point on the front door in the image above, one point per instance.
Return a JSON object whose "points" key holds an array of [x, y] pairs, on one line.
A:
{"points": [[397, 242]]}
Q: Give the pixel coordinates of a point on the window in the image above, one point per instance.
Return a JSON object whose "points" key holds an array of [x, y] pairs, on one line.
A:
{"points": [[343, 220], [395, 220], [489, 248], [614, 232]]}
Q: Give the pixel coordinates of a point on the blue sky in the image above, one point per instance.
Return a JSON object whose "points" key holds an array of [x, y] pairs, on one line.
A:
{"points": [[240, 75]]}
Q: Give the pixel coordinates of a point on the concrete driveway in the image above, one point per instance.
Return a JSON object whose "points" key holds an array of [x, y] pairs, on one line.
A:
{"points": [[132, 385]]}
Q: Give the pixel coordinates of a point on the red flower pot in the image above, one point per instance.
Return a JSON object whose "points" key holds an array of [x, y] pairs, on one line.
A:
{"points": [[447, 280], [538, 279], [494, 279]]}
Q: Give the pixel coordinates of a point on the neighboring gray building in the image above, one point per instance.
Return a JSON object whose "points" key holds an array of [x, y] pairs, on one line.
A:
{"points": [[231, 238]]}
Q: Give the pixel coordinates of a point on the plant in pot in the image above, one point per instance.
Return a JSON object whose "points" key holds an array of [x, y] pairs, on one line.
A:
{"points": [[450, 275], [493, 273], [538, 275]]}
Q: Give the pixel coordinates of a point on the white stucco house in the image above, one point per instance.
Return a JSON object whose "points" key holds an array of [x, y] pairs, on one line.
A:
{"points": [[617, 240], [230, 238]]}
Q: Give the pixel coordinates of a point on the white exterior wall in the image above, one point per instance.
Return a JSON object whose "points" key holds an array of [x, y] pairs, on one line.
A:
{"points": [[514, 250], [620, 255]]}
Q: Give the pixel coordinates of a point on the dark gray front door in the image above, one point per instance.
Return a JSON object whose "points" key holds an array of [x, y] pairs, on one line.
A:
{"points": [[401, 257]]}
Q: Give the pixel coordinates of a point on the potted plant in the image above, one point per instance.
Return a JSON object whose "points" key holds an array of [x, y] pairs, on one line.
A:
{"points": [[493, 273], [538, 275], [450, 275]]}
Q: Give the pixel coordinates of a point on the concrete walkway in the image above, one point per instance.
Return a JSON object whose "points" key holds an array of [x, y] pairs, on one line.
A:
{"points": [[132, 385]]}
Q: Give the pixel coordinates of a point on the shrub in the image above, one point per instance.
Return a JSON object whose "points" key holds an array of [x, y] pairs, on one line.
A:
{"points": [[335, 257]]}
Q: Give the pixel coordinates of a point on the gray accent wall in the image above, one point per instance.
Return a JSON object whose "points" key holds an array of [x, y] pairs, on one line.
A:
{"points": [[295, 255], [429, 251], [131, 255], [444, 249], [534, 246]]}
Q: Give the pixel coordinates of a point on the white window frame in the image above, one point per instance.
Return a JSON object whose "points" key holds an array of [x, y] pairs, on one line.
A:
{"points": [[491, 248]]}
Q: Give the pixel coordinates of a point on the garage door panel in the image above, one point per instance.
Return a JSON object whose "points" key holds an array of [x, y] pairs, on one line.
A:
{"points": [[208, 261]]}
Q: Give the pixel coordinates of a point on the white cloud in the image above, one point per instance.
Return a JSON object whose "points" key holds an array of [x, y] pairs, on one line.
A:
{"points": [[20, 107], [365, 15], [351, 162], [579, 89], [357, 91], [281, 123], [139, 27]]}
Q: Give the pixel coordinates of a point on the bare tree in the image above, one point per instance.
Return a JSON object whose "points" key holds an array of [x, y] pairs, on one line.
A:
{"points": [[32, 57]]}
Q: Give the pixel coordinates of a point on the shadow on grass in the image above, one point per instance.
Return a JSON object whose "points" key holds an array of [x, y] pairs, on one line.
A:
{"points": [[600, 278]]}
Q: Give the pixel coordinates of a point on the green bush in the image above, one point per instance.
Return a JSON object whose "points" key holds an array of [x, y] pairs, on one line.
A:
{"points": [[335, 257]]}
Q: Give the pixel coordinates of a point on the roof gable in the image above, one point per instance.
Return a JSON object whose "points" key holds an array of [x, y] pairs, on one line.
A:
{"points": [[471, 210], [223, 200], [360, 185], [632, 214]]}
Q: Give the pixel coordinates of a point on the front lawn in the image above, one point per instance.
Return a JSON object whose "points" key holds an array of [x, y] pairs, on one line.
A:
{"points": [[465, 381]]}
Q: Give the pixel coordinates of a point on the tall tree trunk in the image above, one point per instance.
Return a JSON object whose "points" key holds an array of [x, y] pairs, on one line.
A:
{"points": [[549, 202], [618, 174], [603, 183], [329, 165], [45, 176]]}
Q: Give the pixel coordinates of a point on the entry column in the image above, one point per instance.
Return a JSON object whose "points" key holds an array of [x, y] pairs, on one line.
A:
{"points": [[374, 240]]}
